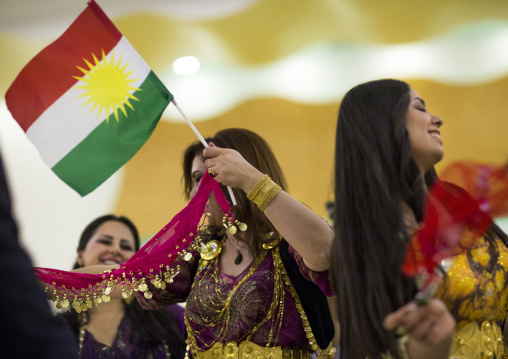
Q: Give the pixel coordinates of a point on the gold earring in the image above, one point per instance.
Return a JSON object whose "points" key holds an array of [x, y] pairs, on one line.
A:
{"points": [[208, 214]]}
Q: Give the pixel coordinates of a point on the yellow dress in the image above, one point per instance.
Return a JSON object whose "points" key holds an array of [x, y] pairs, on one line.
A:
{"points": [[475, 291]]}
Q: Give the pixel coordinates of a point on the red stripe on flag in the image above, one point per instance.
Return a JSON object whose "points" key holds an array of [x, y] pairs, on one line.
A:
{"points": [[50, 73]]}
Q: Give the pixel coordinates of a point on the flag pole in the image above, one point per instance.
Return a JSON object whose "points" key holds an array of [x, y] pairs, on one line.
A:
{"points": [[191, 125]]}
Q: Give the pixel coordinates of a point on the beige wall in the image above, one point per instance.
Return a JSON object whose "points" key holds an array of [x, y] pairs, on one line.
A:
{"points": [[280, 68], [302, 137]]}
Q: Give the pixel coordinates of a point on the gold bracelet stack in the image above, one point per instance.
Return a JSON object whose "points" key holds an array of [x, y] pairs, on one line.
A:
{"points": [[263, 192]]}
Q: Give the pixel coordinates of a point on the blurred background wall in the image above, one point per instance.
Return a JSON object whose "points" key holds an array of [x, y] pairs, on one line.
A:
{"points": [[277, 67]]}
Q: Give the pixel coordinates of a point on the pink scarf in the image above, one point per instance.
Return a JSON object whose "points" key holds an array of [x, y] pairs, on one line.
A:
{"points": [[157, 262]]}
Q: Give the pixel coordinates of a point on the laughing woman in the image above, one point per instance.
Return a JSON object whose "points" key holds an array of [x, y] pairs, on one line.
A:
{"points": [[386, 147], [120, 328]]}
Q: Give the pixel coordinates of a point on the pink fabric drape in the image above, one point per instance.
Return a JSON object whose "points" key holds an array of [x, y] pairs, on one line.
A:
{"points": [[158, 261]]}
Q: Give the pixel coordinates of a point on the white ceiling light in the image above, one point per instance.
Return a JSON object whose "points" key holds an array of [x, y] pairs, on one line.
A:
{"points": [[186, 65]]}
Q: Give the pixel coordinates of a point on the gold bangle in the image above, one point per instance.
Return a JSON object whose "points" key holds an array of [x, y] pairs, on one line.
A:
{"points": [[263, 192]]}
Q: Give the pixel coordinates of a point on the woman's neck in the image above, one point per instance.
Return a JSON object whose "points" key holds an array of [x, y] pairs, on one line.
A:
{"points": [[235, 256], [115, 307], [103, 323]]}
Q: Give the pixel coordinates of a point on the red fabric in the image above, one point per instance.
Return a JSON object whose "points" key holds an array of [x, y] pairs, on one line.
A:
{"points": [[486, 182], [161, 252], [50, 73], [453, 221]]}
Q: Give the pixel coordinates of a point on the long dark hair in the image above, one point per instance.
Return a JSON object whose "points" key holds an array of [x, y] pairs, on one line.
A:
{"points": [[258, 153], [374, 175], [152, 326]]}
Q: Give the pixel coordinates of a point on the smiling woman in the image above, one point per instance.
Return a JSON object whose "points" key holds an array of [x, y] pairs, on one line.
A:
{"points": [[387, 143], [112, 243], [111, 240], [423, 129]]}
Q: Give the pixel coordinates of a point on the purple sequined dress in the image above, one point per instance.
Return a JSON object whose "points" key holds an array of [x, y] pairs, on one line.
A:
{"points": [[250, 306], [122, 347]]}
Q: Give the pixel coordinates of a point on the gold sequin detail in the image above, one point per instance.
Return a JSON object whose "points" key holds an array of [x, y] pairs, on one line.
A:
{"points": [[475, 290]]}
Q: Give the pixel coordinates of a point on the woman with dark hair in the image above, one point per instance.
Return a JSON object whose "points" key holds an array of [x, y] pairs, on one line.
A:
{"points": [[261, 292], [386, 147], [120, 328]]}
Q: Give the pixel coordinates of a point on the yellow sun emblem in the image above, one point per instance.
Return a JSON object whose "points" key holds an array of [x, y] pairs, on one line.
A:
{"points": [[107, 85]]}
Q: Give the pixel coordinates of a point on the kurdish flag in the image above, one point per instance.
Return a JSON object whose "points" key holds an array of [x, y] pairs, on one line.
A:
{"points": [[88, 101]]}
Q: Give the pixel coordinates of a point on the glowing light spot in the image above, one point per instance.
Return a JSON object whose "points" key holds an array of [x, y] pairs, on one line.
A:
{"points": [[186, 65], [107, 86]]}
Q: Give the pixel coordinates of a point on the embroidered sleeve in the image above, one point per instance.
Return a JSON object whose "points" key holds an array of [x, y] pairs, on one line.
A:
{"points": [[321, 279]]}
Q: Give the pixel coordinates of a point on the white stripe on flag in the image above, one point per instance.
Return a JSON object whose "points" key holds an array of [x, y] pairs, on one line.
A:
{"points": [[66, 123]]}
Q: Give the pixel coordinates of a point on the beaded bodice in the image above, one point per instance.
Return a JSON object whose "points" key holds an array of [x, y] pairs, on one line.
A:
{"points": [[260, 305], [257, 305]]}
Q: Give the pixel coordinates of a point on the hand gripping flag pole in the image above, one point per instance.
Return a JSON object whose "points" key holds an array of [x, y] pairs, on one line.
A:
{"points": [[233, 199]]}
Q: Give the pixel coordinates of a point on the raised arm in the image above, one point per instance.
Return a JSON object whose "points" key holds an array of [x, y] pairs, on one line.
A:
{"points": [[309, 234]]}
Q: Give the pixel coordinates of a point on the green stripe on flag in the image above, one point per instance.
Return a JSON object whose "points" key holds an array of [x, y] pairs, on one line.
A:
{"points": [[112, 144]]}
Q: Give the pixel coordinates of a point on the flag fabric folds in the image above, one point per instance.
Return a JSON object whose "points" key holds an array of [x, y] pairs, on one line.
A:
{"points": [[88, 101]]}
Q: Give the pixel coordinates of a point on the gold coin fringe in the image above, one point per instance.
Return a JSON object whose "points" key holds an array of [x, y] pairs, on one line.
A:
{"points": [[82, 299]]}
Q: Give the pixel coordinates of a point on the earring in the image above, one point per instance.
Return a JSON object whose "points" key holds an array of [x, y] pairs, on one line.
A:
{"points": [[208, 214]]}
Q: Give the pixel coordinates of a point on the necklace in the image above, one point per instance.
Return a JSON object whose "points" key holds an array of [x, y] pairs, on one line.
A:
{"points": [[213, 248], [239, 255], [220, 305]]}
